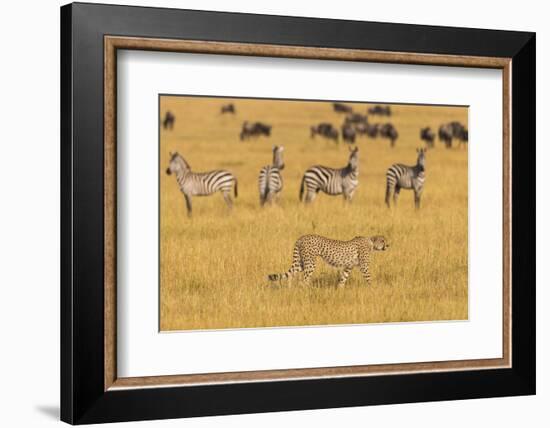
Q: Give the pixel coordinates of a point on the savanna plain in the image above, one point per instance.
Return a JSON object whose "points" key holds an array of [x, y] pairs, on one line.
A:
{"points": [[214, 265]]}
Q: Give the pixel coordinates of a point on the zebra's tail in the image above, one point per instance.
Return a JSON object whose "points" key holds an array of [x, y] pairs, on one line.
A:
{"points": [[235, 187], [302, 188], [264, 193]]}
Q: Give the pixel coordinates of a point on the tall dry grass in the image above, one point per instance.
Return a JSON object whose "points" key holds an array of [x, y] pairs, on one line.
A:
{"points": [[213, 267]]}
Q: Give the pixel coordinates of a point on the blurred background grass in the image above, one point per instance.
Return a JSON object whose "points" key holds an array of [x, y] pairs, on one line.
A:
{"points": [[213, 266]]}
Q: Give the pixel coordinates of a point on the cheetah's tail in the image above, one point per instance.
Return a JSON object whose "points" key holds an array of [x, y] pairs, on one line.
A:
{"points": [[277, 276], [295, 268]]}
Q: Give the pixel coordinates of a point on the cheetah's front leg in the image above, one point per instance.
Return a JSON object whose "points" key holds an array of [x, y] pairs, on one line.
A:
{"points": [[364, 261]]}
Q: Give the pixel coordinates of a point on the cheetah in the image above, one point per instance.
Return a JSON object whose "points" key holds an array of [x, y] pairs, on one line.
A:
{"points": [[341, 254]]}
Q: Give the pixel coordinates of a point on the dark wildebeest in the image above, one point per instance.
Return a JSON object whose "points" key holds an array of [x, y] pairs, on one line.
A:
{"points": [[356, 118], [388, 131], [341, 108], [428, 136], [361, 128], [372, 129], [451, 130], [462, 136], [228, 108], [380, 110], [325, 130], [459, 132], [445, 134], [169, 119], [348, 133], [254, 129]]}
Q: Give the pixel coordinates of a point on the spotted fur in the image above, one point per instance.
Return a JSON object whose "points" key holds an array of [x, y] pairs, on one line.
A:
{"points": [[344, 255]]}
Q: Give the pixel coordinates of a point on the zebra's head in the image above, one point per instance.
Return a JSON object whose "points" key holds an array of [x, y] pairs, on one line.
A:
{"points": [[421, 160], [379, 243], [177, 164], [354, 158], [278, 157]]}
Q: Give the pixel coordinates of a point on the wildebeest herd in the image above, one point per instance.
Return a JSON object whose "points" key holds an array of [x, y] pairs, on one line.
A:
{"points": [[332, 181], [357, 125]]}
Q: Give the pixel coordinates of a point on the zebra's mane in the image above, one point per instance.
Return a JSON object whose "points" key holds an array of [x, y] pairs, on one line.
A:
{"points": [[353, 153], [177, 157]]}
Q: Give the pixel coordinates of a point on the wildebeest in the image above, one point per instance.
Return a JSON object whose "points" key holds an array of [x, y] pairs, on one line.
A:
{"points": [[372, 129], [451, 130], [427, 135], [348, 133], [341, 108], [366, 128], [356, 118], [361, 128], [445, 134], [388, 131], [254, 129], [459, 132], [228, 108], [169, 119], [380, 110], [462, 136], [325, 130]]}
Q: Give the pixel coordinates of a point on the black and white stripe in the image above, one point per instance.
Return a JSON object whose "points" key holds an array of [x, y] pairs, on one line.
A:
{"points": [[401, 176], [342, 181], [201, 183], [270, 181]]}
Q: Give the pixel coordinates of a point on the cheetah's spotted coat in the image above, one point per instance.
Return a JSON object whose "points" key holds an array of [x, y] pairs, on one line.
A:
{"points": [[341, 254]]}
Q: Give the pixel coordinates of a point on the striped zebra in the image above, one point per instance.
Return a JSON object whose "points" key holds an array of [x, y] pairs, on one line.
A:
{"points": [[332, 181], [270, 180], [201, 183], [401, 176]]}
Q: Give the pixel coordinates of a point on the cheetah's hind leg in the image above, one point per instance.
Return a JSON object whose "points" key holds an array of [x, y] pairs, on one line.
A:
{"points": [[308, 264], [344, 275]]}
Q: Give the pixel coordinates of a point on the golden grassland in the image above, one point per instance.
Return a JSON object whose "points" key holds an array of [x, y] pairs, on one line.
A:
{"points": [[214, 266]]}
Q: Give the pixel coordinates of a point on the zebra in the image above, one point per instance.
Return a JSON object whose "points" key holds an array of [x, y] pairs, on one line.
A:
{"points": [[401, 176], [201, 183], [332, 181], [270, 180]]}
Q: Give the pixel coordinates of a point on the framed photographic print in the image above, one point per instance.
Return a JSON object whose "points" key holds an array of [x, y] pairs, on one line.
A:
{"points": [[265, 213]]}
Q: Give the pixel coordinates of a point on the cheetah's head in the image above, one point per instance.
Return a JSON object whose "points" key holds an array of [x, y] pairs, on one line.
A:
{"points": [[379, 243]]}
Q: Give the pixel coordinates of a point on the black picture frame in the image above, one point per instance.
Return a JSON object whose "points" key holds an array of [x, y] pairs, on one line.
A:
{"points": [[83, 398]]}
